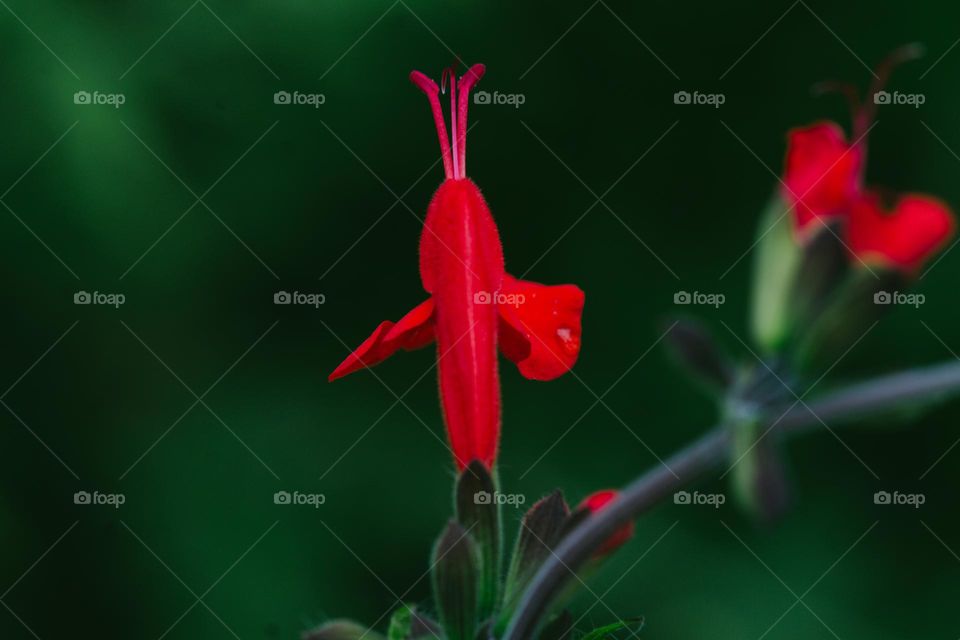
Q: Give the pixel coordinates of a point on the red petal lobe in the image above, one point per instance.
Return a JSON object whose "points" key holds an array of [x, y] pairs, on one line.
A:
{"points": [[413, 331], [904, 237], [822, 173], [540, 326]]}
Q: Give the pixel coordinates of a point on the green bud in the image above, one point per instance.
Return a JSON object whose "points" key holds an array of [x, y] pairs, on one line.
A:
{"points": [[456, 582], [777, 262], [482, 518]]}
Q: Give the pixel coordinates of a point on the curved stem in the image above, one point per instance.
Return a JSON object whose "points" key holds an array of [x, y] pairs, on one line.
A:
{"points": [[872, 396]]}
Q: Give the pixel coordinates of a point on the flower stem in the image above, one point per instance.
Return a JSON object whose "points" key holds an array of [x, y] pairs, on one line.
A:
{"points": [[875, 395]]}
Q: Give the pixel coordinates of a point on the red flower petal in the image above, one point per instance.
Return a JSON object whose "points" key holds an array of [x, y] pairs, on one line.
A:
{"points": [[598, 500], [822, 173], [540, 326], [461, 263], [904, 237], [413, 331]]}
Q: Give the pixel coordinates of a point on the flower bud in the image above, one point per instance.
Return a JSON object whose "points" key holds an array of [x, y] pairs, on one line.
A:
{"points": [[597, 501]]}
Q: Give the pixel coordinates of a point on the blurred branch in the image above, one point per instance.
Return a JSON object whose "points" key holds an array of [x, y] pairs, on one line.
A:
{"points": [[873, 396]]}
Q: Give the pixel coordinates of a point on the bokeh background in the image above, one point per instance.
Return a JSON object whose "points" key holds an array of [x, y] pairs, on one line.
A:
{"points": [[198, 398]]}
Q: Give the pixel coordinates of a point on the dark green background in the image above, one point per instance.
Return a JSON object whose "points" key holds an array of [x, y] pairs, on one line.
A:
{"points": [[300, 199]]}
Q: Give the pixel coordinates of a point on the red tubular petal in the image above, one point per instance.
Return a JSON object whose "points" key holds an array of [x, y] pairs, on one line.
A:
{"points": [[461, 263], [822, 173], [540, 326], [904, 237], [596, 501], [413, 331]]}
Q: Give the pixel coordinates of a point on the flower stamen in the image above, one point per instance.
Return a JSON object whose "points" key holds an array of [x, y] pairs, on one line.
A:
{"points": [[432, 91], [454, 149]]}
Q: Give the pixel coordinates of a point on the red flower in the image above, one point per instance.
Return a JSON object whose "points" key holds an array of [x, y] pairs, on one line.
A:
{"points": [[598, 500], [474, 303], [823, 181]]}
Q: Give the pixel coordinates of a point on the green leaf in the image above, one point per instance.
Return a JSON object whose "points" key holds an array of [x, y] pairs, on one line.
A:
{"points": [[456, 582], [777, 261], [341, 630], [407, 623], [603, 632], [759, 478], [400, 622], [479, 512], [694, 350]]}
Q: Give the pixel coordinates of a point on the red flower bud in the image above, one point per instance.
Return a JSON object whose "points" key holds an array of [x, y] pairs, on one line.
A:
{"points": [[597, 501]]}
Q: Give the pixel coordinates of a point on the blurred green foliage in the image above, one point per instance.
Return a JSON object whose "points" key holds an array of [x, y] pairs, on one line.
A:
{"points": [[305, 199]]}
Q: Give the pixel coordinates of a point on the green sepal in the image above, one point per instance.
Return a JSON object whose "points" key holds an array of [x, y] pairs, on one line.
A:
{"points": [[341, 630], [824, 266], [479, 512], [541, 528], [456, 576], [847, 316], [777, 261]]}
